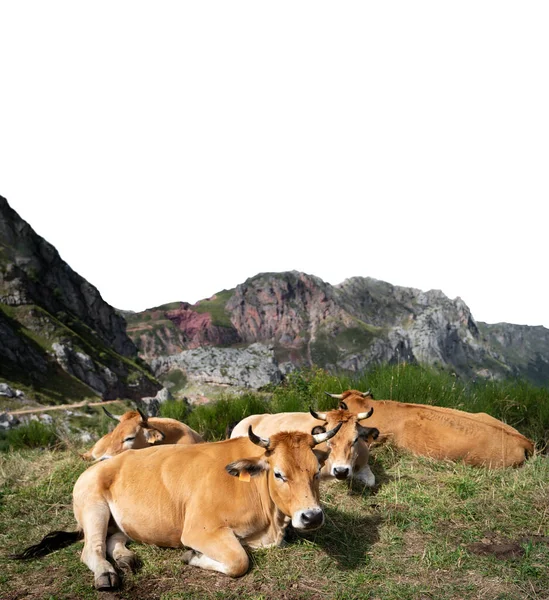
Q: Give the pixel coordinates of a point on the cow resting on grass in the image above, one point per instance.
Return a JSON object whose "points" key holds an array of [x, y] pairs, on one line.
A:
{"points": [[213, 498], [349, 451], [445, 433], [135, 430]]}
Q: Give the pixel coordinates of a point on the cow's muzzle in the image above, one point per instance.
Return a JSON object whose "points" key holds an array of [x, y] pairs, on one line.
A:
{"points": [[341, 472], [310, 518]]}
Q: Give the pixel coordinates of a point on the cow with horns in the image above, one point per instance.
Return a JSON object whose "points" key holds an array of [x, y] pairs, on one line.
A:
{"points": [[443, 433], [136, 430], [349, 451], [213, 498]]}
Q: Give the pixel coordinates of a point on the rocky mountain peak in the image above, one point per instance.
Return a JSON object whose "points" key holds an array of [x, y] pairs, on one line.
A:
{"points": [[56, 325]]}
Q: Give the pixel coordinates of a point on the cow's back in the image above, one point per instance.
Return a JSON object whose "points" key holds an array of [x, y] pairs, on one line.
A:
{"points": [[175, 431], [268, 424], [447, 433]]}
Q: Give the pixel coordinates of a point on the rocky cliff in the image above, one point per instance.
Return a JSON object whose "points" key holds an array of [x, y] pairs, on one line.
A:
{"points": [[57, 335], [350, 326]]}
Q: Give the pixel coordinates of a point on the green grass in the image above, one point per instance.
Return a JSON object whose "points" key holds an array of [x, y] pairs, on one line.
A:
{"points": [[216, 308], [33, 435], [409, 538], [174, 409], [212, 420]]}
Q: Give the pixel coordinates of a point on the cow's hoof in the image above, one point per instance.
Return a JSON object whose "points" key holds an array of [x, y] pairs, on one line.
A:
{"points": [[126, 563], [107, 581]]}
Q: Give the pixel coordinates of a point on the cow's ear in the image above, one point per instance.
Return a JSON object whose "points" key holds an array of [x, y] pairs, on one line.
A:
{"points": [[318, 429], [368, 434], [153, 436], [321, 456], [251, 466]]}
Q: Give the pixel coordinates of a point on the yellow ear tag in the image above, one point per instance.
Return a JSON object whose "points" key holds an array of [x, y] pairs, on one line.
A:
{"points": [[244, 476]]}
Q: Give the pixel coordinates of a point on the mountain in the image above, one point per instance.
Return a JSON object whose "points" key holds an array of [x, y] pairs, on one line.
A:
{"points": [[358, 323], [58, 337]]}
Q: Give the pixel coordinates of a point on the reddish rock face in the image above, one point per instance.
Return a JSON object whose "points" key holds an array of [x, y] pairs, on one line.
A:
{"points": [[287, 310], [198, 328], [166, 332]]}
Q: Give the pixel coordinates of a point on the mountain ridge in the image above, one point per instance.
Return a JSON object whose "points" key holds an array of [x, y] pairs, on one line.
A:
{"points": [[349, 326]]}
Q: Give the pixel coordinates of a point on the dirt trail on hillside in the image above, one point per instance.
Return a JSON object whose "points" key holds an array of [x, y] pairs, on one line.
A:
{"points": [[60, 407]]}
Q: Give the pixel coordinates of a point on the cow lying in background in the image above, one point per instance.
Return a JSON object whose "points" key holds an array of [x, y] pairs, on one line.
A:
{"points": [[446, 433], [185, 495], [349, 451], [135, 430]]}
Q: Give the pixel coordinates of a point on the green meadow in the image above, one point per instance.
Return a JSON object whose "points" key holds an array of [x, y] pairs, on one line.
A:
{"points": [[428, 530]]}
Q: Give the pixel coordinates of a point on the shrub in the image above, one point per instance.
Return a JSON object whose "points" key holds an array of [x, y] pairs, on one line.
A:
{"points": [[174, 409]]}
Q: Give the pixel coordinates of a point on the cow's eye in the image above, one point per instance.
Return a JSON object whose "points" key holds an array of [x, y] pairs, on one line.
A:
{"points": [[279, 476], [129, 439]]}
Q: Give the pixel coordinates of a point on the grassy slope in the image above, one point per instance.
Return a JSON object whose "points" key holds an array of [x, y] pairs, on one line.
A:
{"points": [[409, 538], [406, 539]]}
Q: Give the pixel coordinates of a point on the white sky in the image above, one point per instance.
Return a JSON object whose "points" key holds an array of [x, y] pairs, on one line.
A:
{"points": [[173, 149]]}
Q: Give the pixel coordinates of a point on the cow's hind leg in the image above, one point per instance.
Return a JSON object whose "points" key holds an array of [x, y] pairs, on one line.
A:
{"points": [[216, 551], [124, 558], [94, 519]]}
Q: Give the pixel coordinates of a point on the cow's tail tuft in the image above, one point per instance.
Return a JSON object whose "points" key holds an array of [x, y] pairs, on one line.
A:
{"points": [[55, 540]]}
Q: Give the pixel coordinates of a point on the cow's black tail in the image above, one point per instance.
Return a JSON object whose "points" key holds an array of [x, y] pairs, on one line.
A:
{"points": [[51, 542]]}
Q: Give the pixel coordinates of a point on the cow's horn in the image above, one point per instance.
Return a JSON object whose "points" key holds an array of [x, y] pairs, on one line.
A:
{"points": [[258, 441], [336, 396], [143, 416], [366, 394], [110, 415], [317, 415], [322, 437], [365, 415]]}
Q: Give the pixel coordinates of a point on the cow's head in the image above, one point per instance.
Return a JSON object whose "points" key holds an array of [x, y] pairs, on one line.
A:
{"points": [[132, 432], [354, 400], [345, 447], [293, 470]]}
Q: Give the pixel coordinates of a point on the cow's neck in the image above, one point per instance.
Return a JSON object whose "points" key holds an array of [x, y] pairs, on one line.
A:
{"points": [[271, 522]]}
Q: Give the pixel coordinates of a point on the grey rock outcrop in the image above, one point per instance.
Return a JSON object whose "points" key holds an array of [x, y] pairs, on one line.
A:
{"points": [[251, 367], [5, 390], [8, 421], [151, 405]]}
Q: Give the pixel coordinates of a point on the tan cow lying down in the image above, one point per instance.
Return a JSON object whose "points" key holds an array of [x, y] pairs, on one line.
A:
{"points": [[475, 438], [185, 495], [135, 430], [349, 451]]}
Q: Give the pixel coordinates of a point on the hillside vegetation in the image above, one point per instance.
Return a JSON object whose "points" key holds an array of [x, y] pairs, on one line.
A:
{"points": [[428, 530]]}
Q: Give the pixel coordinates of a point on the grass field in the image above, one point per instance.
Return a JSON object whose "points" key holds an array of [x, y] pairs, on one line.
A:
{"points": [[428, 530]]}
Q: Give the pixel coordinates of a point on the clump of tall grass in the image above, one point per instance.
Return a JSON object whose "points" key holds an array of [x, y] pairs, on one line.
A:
{"points": [[174, 409], [212, 420], [33, 435]]}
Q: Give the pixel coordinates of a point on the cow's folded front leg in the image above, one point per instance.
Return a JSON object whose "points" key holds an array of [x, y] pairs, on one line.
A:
{"points": [[216, 551]]}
